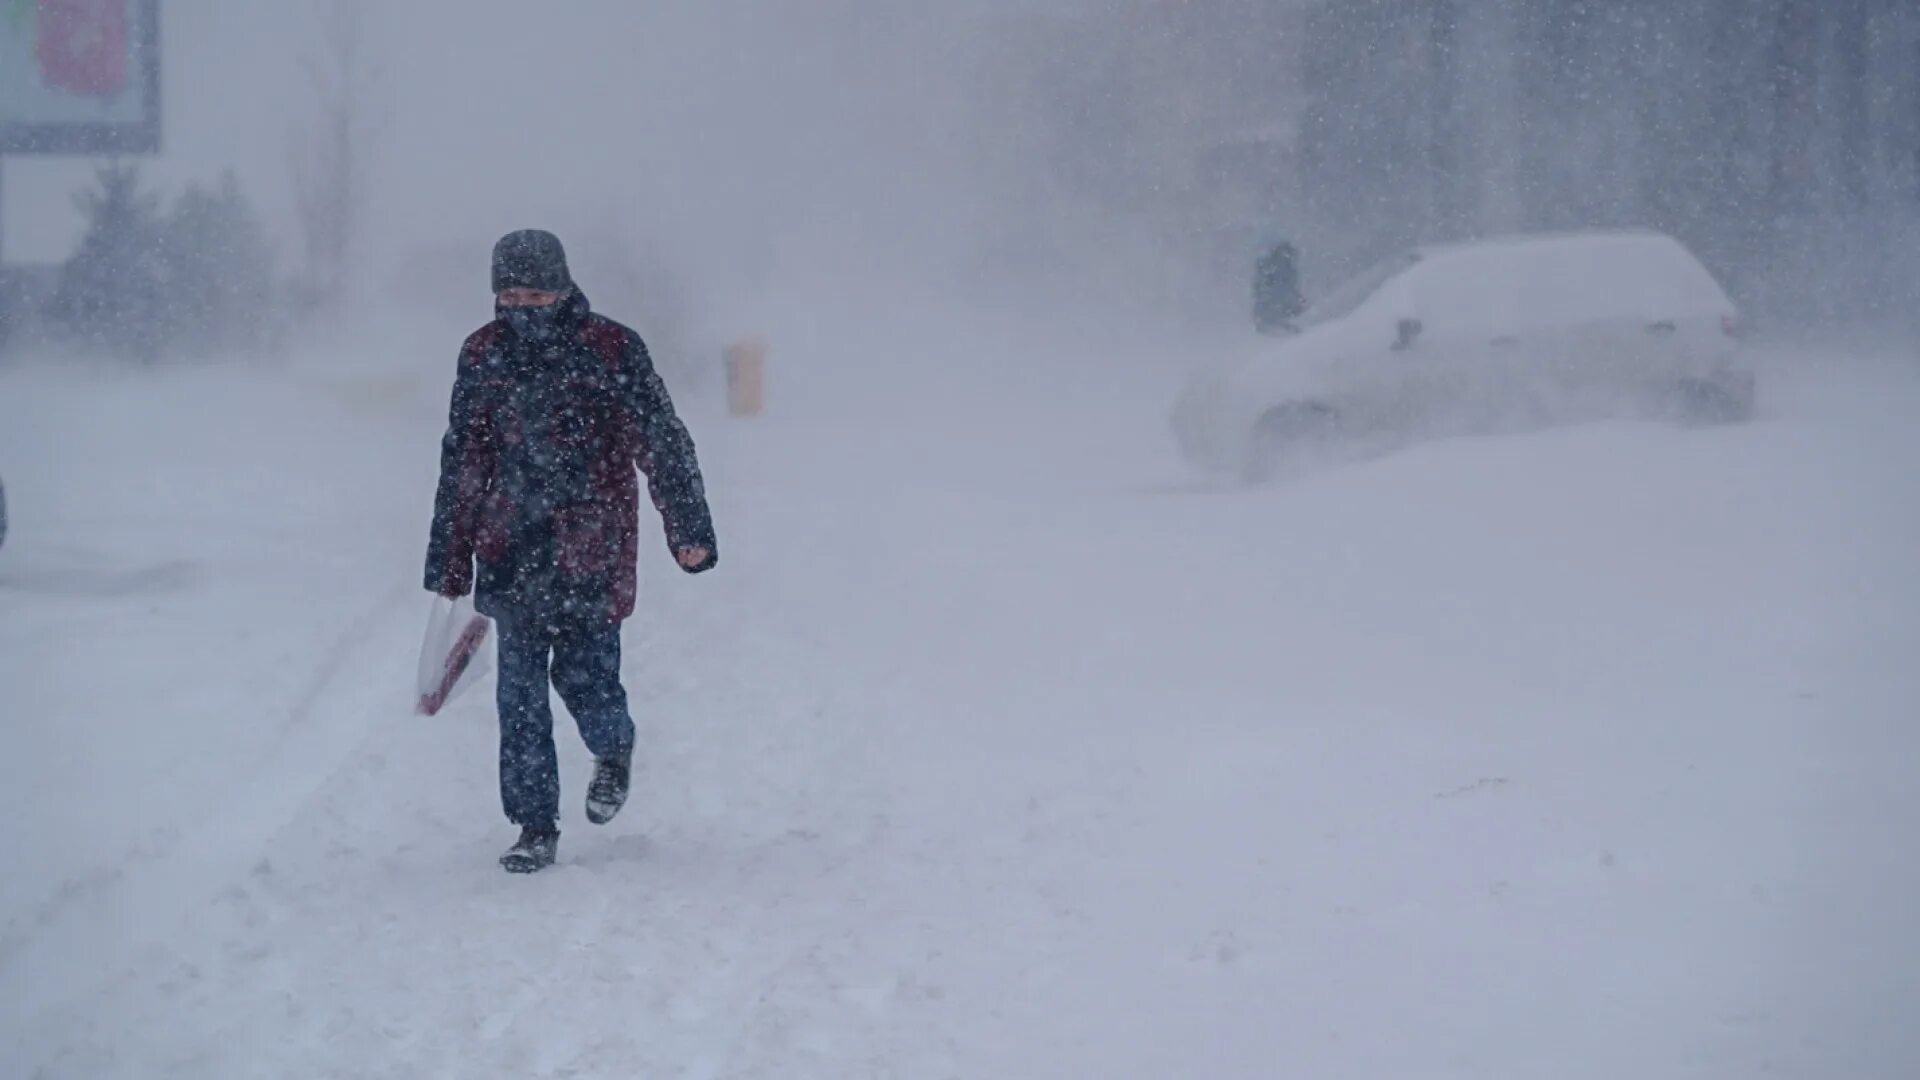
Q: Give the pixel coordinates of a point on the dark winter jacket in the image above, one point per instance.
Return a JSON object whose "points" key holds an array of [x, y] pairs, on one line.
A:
{"points": [[537, 481]]}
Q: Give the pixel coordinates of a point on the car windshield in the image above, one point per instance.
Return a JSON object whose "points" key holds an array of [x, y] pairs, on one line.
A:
{"points": [[1342, 301]]}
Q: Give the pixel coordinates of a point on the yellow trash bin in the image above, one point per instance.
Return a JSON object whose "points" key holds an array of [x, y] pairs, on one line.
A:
{"points": [[746, 377]]}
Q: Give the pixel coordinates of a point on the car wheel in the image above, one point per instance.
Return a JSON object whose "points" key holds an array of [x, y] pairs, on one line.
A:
{"points": [[1284, 435], [1722, 399]]}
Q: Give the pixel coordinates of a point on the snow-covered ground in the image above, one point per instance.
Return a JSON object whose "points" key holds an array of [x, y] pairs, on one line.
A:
{"points": [[997, 746]]}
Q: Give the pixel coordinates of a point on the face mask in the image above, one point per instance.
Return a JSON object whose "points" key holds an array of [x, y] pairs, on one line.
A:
{"points": [[536, 324]]}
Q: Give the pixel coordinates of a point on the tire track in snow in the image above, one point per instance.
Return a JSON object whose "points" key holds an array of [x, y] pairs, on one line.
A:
{"points": [[134, 877], [698, 958]]}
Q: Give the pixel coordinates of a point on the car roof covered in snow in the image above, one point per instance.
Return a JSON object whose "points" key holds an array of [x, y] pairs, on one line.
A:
{"points": [[1555, 278], [1568, 238]]}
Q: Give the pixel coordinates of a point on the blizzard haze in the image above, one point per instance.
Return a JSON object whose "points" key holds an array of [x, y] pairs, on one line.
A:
{"points": [[1002, 742], [738, 141]]}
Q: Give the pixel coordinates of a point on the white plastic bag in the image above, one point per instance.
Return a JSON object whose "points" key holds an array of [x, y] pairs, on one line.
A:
{"points": [[453, 656]]}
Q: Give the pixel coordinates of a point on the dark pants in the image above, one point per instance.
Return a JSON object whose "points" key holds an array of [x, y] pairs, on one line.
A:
{"points": [[586, 671]]}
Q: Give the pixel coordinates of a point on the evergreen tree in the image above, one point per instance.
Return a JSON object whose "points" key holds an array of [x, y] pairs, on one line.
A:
{"points": [[219, 268], [112, 292]]}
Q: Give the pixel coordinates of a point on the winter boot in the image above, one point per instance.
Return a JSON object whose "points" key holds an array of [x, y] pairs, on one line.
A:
{"points": [[535, 851], [608, 791]]}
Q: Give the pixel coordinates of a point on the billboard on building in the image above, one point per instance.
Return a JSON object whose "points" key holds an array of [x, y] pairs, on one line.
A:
{"points": [[79, 76]]}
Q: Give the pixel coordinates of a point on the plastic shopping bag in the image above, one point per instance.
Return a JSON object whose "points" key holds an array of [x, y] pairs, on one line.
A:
{"points": [[453, 657]]}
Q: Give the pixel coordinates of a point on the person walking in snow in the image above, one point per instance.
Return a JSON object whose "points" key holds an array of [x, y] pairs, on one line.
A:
{"points": [[553, 408]]}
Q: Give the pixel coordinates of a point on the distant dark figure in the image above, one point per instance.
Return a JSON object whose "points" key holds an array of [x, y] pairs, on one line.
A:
{"points": [[1276, 288], [6, 309]]}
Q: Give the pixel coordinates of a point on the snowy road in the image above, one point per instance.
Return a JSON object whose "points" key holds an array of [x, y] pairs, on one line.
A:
{"points": [[995, 748]]}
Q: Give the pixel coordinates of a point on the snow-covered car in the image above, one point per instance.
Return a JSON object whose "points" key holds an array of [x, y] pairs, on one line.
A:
{"points": [[1506, 334]]}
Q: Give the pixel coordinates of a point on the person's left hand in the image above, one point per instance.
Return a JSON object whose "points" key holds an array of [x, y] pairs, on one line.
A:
{"points": [[692, 558]]}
